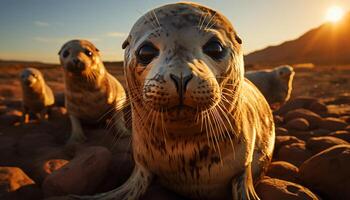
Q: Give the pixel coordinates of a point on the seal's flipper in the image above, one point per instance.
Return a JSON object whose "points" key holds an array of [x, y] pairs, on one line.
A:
{"points": [[132, 189], [243, 186]]}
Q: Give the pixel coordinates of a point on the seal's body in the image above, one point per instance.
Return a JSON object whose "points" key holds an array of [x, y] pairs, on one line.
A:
{"points": [[198, 126], [91, 93], [275, 84], [37, 95]]}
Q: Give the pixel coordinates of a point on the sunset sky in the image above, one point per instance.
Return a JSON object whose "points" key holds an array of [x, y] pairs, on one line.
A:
{"points": [[36, 29]]}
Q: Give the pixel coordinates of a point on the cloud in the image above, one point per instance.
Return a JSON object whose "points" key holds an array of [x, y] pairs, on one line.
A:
{"points": [[116, 34], [41, 24]]}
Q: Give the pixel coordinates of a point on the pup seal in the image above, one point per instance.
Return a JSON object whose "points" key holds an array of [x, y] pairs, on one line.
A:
{"points": [[37, 95], [198, 126], [90, 91], [275, 84]]}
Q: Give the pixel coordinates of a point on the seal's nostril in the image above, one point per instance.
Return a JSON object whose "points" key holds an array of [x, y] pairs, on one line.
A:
{"points": [[176, 80], [181, 84], [75, 61], [186, 80]]}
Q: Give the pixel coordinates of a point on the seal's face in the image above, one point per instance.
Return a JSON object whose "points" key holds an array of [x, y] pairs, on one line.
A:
{"points": [[30, 76], [79, 56], [180, 56]]}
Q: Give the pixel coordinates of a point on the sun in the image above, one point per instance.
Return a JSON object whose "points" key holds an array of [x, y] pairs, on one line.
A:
{"points": [[334, 14]]}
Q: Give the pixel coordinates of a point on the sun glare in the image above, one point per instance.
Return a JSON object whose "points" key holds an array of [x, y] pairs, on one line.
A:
{"points": [[334, 14]]}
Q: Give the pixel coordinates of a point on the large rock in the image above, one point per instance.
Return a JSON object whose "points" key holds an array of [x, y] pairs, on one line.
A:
{"points": [[328, 172], [318, 144], [13, 178], [313, 118], [318, 107], [285, 140], [332, 124], [276, 189], [281, 131], [43, 168], [299, 102], [10, 118], [298, 124], [119, 171], [283, 170], [295, 153], [81, 175], [344, 135]]}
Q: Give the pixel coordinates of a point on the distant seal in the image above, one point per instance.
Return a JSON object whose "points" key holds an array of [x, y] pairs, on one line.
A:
{"points": [[198, 126], [36, 94], [91, 93], [275, 84]]}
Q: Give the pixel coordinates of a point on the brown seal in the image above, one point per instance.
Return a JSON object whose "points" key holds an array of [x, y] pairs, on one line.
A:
{"points": [[36, 94], [90, 91], [198, 126]]}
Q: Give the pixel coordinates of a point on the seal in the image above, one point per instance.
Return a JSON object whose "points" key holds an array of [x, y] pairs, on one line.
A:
{"points": [[275, 84], [199, 127], [36, 94], [91, 93]]}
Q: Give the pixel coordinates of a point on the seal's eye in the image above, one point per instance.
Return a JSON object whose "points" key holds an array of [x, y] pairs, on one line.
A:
{"points": [[88, 52], [65, 54], [214, 49], [146, 54]]}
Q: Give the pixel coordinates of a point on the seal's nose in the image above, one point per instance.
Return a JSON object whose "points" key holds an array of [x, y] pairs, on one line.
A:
{"points": [[76, 61], [181, 83]]}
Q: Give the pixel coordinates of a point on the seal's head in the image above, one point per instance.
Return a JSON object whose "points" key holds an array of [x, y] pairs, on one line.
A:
{"points": [[182, 57], [79, 56], [30, 77]]}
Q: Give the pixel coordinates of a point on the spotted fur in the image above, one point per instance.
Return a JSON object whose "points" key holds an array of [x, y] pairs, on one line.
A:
{"points": [[206, 139], [91, 92], [36, 94]]}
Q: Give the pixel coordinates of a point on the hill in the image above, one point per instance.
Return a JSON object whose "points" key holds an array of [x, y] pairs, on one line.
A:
{"points": [[328, 44]]}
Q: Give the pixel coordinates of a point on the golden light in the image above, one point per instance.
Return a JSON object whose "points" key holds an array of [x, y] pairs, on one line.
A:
{"points": [[334, 14]]}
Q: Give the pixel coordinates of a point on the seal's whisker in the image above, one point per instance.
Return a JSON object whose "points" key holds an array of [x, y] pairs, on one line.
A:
{"points": [[212, 17], [205, 16], [155, 15]]}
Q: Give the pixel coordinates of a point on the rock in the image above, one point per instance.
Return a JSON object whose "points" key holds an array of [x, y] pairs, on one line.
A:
{"points": [[13, 178], [295, 153], [337, 110], [30, 192], [344, 135], [283, 170], [275, 189], [285, 140], [81, 175], [278, 119], [7, 150], [10, 118], [328, 172], [347, 128], [332, 124], [47, 167], [299, 102], [281, 131], [318, 144], [3, 109], [119, 171], [29, 144], [298, 124], [303, 135], [320, 132], [313, 118], [318, 107], [58, 112]]}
